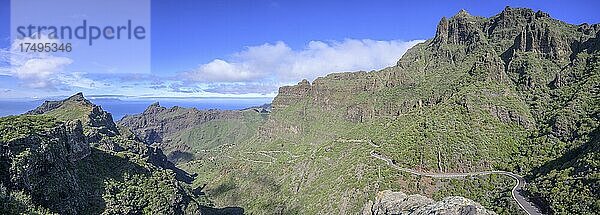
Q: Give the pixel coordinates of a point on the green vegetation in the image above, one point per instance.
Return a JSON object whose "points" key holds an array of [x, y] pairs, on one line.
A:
{"points": [[14, 127], [491, 191], [18, 202], [50, 166], [213, 135], [146, 194], [71, 110], [517, 92], [510, 92], [564, 152]]}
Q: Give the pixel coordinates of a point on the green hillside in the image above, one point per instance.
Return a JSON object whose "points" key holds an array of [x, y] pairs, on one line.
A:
{"points": [[51, 162], [213, 135], [518, 92]]}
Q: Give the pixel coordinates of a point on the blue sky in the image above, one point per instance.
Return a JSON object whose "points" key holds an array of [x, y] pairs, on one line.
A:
{"points": [[241, 48]]}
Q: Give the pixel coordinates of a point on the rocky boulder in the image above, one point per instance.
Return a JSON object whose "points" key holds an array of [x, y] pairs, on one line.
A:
{"points": [[388, 202]]}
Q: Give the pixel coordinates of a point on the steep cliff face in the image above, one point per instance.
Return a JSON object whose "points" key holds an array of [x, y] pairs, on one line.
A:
{"points": [[517, 91], [482, 47], [157, 122], [40, 161], [461, 29]]}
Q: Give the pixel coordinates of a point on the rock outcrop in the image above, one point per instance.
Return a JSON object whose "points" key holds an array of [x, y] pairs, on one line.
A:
{"points": [[460, 29], [48, 106], [388, 203], [77, 107], [44, 161], [292, 94]]}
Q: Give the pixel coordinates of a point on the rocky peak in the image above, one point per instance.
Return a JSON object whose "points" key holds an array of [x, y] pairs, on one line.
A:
{"points": [[96, 120], [511, 21], [462, 13], [519, 13], [514, 29], [78, 97], [51, 105], [461, 28], [291, 94], [304, 82], [532, 32], [154, 108]]}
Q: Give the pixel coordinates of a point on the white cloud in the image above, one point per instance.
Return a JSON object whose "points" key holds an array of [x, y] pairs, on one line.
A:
{"points": [[40, 72], [77, 79], [40, 69], [256, 70], [219, 70], [280, 63]]}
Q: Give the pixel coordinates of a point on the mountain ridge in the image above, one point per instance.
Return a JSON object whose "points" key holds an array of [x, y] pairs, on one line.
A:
{"points": [[156, 121], [516, 91]]}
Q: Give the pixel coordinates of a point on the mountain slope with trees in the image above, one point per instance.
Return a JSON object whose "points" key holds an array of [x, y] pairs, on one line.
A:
{"points": [[518, 91], [69, 157]]}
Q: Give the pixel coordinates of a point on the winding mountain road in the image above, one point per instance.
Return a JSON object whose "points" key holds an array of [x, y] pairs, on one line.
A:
{"points": [[522, 201]]}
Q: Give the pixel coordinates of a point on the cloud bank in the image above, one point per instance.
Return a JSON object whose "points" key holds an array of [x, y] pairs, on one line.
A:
{"points": [[277, 62], [254, 71], [40, 70]]}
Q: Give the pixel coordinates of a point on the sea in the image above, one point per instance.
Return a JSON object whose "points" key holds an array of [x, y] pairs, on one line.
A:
{"points": [[119, 107]]}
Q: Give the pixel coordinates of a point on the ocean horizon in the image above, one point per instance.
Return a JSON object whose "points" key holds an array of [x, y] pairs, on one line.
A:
{"points": [[122, 107]]}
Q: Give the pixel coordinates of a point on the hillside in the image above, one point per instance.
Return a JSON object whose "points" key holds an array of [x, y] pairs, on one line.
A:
{"points": [[69, 157], [518, 91]]}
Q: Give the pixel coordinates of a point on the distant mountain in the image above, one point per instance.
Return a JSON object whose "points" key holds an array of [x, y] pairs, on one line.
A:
{"points": [[518, 92], [181, 131], [156, 122], [264, 109]]}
